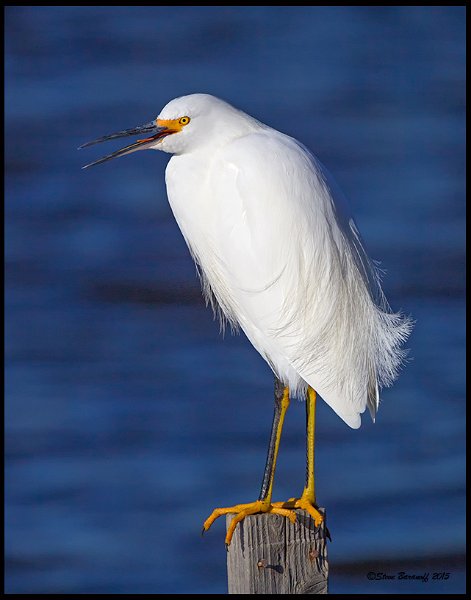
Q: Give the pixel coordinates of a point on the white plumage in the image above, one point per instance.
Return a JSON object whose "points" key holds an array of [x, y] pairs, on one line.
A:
{"points": [[279, 258], [278, 254]]}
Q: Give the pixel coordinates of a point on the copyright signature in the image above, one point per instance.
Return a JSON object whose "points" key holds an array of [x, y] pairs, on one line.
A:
{"points": [[404, 576]]}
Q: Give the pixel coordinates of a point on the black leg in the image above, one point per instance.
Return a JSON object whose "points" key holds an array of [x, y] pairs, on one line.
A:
{"points": [[281, 405]]}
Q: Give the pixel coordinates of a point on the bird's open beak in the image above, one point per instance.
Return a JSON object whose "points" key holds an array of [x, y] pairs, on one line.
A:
{"points": [[153, 130]]}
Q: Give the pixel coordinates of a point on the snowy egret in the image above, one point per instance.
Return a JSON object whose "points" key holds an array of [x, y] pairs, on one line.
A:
{"points": [[280, 257]]}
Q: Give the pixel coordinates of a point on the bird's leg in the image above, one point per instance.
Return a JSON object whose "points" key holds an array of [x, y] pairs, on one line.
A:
{"points": [[281, 406], [308, 498], [263, 504], [309, 490]]}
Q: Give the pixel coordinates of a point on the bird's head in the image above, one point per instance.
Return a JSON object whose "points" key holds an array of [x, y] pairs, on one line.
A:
{"points": [[183, 125]]}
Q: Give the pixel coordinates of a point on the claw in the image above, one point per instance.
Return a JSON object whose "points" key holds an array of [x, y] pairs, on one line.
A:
{"points": [[240, 511], [327, 534], [305, 504]]}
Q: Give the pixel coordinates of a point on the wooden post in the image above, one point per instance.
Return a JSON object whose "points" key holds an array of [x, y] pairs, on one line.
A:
{"points": [[270, 555]]}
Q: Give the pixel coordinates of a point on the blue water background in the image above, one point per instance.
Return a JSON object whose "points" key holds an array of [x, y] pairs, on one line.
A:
{"points": [[128, 417]]}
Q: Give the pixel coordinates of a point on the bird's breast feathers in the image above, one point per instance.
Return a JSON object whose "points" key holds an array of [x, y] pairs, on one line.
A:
{"points": [[252, 214]]}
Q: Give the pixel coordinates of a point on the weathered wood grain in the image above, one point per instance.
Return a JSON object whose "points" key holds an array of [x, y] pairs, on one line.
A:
{"points": [[270, 555]]}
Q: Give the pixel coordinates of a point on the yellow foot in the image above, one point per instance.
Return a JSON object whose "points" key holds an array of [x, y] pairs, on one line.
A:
{"points": [[243, 510], [304, 504]]}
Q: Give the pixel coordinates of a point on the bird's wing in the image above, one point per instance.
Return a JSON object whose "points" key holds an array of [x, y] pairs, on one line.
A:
{"points": [[295, 273]]}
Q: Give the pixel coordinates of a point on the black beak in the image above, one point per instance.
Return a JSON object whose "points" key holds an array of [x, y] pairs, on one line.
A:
{"points": [[151, 128]]}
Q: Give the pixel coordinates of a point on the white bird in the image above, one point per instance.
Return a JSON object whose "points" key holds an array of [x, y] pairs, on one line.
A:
{"points": [[280, 257]]}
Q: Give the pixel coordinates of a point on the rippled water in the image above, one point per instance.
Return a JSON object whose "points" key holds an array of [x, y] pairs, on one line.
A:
{"points": [[128, 417]]}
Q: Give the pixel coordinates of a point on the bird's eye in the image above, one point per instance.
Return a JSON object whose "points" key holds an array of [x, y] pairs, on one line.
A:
{"points": [[184, 120]]}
